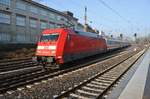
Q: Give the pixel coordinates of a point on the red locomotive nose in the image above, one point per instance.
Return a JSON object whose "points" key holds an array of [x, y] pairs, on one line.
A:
{"points": [[47, 45], [46, 50]]}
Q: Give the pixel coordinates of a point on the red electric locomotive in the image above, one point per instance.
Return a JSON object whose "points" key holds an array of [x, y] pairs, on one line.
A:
{"points": [[58, 46]]}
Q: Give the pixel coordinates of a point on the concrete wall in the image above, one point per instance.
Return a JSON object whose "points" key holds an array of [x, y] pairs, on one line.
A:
{"points": [[30, 35]]}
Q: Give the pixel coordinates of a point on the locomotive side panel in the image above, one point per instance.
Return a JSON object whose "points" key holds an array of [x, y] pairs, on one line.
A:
{"points": [[78, 46]]}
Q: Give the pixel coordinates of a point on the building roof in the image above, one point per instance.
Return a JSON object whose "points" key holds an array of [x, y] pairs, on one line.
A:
{"points": [[51, 9]]}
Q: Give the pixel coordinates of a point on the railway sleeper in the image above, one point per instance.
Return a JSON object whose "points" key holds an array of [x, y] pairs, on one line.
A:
{"points": [[100, 83], [108, 79], [75, 96], [104, 81], [22, 63], [15, 62], [16, 67], [18, 79], [92, 89], [108, 76], [95, 86], [14, 74], [86, 93], [112, 74]]}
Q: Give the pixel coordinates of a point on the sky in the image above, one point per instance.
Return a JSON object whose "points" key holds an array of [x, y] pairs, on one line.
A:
{"points": [[122, 16]]}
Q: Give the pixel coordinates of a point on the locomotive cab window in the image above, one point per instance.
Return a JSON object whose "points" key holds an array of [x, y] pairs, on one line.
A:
{"points": [[49, 37]]}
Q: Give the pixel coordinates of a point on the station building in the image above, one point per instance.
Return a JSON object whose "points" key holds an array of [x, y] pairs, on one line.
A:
{"points": [[21, 21]]}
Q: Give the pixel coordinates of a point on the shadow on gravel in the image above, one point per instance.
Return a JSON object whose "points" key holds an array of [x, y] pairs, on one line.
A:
{"points": [[84, 61]]}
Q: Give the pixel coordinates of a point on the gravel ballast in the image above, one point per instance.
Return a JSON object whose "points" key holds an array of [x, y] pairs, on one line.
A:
{"points": [[54, 86]]}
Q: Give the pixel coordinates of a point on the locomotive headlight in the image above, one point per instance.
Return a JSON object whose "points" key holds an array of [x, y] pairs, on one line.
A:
{"points": [[40, 47]]}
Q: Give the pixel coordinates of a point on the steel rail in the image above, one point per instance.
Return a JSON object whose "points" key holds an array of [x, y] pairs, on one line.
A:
{"points": [[82, 91]]}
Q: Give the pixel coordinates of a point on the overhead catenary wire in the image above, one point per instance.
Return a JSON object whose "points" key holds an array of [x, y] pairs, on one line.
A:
{"points": [[92, 12], [113, 10]]}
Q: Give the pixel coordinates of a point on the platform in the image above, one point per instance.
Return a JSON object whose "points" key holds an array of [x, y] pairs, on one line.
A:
{"points": [[136, 83]]}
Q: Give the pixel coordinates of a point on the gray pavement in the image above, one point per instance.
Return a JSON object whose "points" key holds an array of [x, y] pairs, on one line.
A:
{"points": [[136, 86]]}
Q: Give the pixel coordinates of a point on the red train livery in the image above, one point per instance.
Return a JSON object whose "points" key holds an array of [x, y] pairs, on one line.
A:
{"points": [[58, 46]]}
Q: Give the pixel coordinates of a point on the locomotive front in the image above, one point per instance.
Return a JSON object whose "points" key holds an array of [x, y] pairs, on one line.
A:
{"points": [[46, 48]]}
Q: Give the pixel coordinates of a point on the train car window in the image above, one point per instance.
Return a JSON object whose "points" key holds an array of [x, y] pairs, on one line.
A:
{"points": [[49, 37]]}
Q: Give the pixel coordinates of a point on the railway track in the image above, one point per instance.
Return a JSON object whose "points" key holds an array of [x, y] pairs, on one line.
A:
{"points": [[12, 79], [96, 86], [19, 63], [14, 60], [32, 81], [13, 64]]}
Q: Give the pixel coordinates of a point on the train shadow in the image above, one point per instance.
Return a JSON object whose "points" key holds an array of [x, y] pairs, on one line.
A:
{"points": [[85, 61]]}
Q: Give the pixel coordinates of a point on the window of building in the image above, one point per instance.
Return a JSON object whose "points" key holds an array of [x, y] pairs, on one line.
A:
{"points": [[63, 19], [34, 38], [33, 35], [33, 23], [4, 37], [33, 9], [58, 25], [52, 16], [4, 18], [43, 12], [58, 17], [20, 20], [28, 37], [5, 2], [51, 25], [43, 25], [20, 5], [20, 37]]}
